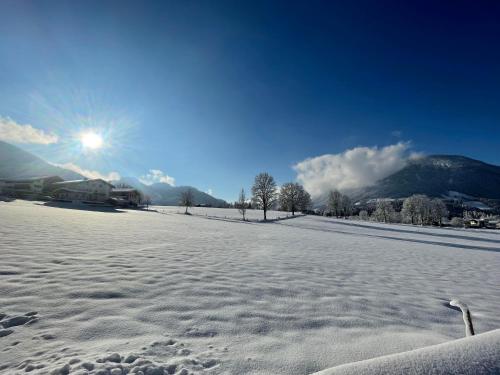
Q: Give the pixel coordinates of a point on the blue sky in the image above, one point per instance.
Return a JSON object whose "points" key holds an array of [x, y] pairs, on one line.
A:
{"points": [[213, 92]]}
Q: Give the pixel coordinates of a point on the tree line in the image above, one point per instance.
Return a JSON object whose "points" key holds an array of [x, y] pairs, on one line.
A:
{"points": [[266, 195], [292, 197], [417, 210]]}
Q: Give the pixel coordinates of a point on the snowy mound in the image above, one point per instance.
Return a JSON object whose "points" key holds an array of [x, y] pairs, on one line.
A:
{"points": [[472, 355]]}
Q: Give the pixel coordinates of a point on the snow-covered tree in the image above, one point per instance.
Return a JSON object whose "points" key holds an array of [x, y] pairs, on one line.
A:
{"points": [[346, 205], [384, 211], [335, 203], [438, 211], [242, 203], [264, 193], [187, 199], [363, 215], [410, 210], [424, 209], [457, 222], [417, 209]]}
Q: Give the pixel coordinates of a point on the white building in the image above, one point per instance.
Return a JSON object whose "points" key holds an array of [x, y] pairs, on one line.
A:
{"points": [[31, 188], [96, 190], [125, 196]]}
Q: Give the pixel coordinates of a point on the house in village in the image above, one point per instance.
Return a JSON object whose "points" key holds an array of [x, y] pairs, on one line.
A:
{"points": [[87, 190], [29, 188], [93, 190], [126, 196]]}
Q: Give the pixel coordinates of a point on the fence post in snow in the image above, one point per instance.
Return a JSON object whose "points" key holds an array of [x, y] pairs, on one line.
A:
{"points": [[469, 329]]}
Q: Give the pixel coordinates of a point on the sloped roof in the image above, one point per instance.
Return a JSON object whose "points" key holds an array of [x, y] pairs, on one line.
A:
{"points": [[124, 190], [71, 182]]}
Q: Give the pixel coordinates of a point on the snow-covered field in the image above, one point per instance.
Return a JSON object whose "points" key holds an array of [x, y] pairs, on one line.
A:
{"points": [[198, 294], [223, 213]]}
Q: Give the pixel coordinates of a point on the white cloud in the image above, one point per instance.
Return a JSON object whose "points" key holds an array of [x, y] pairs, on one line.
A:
{"points": [[209, 192], [351, 169], [11, 131], [155, 175], [111, 176]]}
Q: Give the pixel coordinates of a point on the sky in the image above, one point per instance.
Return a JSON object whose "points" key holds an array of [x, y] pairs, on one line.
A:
{"points": [[210, 93]]}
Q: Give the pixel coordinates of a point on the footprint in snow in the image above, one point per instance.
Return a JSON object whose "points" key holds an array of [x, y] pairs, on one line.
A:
{"points": [[8, 322]]}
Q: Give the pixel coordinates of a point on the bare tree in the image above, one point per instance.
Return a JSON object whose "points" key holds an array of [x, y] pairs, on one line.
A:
{"points": [[264, 192], [305, 201], [146, 201], [241, 205], [292, 196], [187, 199]]}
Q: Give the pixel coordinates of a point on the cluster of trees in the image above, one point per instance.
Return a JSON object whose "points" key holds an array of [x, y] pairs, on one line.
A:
{"points": [[417, 209], [291, 196], [420, 209], [339, 205]]}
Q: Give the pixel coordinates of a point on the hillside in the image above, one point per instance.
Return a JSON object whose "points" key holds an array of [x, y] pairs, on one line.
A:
{"points": [[167, 195], [17, 163], [436, 176]]}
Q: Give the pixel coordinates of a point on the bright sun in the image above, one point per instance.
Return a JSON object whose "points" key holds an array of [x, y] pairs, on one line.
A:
{"points": [[91, 140]]}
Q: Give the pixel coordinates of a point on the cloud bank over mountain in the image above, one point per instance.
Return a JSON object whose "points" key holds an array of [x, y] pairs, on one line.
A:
{"points": [[111, 176], [11, 131], [156, 175], [352, 169]]}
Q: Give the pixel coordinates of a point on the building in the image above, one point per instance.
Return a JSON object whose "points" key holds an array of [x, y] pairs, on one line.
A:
{"points": [[29, 188], [474, 223], [96, 191], [126, 196]]}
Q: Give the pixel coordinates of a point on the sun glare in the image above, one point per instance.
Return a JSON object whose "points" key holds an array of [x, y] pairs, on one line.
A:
{"points": [[91, 140]]}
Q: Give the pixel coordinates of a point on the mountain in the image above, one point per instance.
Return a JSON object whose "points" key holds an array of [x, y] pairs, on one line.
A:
{"points": [[438, 176], [17, 163], [167, 195]]}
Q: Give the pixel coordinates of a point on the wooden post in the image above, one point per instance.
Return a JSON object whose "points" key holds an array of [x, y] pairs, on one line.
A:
{"points": [[469, 329]]}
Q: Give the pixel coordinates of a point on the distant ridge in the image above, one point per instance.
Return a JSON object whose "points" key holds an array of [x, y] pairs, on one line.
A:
{"points": [[167, 195], [436, 176]]}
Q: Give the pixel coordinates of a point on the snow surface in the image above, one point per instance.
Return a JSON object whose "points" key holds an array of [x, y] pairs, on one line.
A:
{"points": [[475, 355], [223, 213], [211, 295]]}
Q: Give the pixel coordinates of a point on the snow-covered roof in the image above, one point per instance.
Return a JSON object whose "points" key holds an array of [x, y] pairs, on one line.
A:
{"points": [[71, 182], [124, 190], [72, 190]]}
